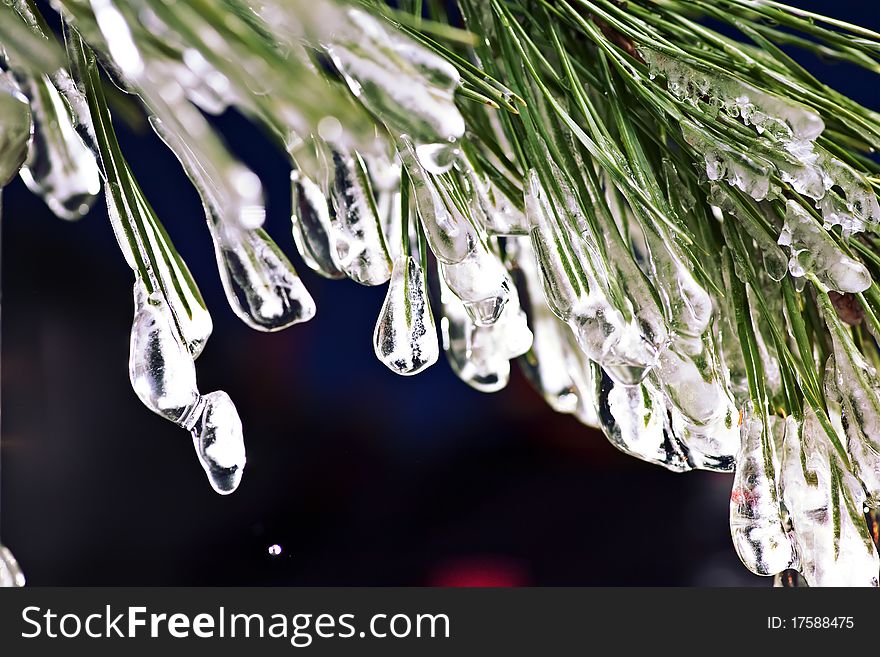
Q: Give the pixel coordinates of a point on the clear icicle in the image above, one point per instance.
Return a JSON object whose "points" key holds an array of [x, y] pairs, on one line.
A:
{"points": [[405, 339], [160, 366], [360, 247], [10, 572], [163, 376], [16, 128], [852, 383], [408, 87], [500, 215], [310, 224], [480, 355], [260, 282], [824, 503], [634, 419], [481, 282], [219, 442], [603, 333], [755, 513], [449, 232], [813, 251], [60, 167]]}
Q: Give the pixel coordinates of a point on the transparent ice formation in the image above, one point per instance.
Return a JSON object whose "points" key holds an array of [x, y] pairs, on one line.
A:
{"points": [[822, 499], [163, 376], [358, 242], [405, 339], [481, 282], [408, 87], [756, 523], [635, 420], [481, 355], [60, 167], [10, 572], [16, 128], [813, 251], [311, 227]]}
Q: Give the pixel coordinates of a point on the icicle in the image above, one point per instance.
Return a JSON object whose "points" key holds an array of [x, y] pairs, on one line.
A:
{"points": [[499, 214], [163, 376], [311, 227], [813, 251], [852, 382], [858, 209], [825, 502], [405, 85], [260, 282], [634, 419], [219, 441], [755, 514], [360, 247], [480, 355], [584, 375], [161, 368], [481, 282], [449, 232], [544, 365], [10, 572], [16, 128], [405, 339], [60, 167]]}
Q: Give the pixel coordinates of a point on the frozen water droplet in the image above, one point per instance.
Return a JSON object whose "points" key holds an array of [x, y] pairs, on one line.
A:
{"points": [[310, 222], [160, 366], [813, 251], [10, 572], [481, 282], [60, 167], [755, 514], [361, 249], [219, 441], [824, 503], [261, 284], [405, 339], [15, 128]]}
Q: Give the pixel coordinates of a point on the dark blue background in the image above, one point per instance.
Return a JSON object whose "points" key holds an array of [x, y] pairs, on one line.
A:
{"points": [[361, 476]]}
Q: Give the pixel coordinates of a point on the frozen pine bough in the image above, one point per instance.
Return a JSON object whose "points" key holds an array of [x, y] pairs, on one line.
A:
{"points": [[672, 233]]}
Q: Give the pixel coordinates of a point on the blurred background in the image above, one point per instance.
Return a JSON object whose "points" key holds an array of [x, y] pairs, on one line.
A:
{"points": [[355, 476]]}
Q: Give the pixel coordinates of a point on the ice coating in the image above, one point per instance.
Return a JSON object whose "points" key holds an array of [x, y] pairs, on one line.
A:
{"points": [[584, 375], [634, 419], [409, 88], [814, 252], [160, 366], [16, 128], [544, 365], [781, 118], [498, 213], [858, 209], [450, 234], [163, 376], [311, 227], [755, 514], [219, 442], [261, 284], [749, 173], [405, 339], [480, 355], [481, 282], [60, 167], [359, 244], [852, 382], [822, 499], [10, 572]]}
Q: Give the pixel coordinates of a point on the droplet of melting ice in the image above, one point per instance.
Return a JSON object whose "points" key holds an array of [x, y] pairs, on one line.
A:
{"points": [[15, 128], [405, 339], [60, 167], [219, 441], [10, 572], [755, 514]]}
